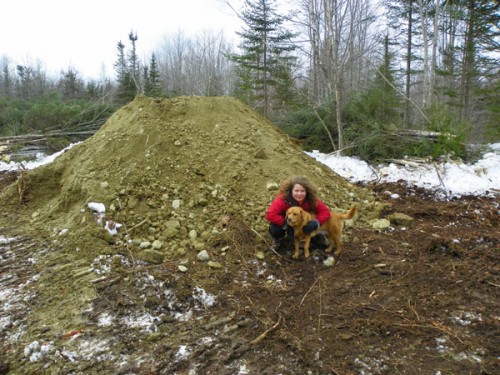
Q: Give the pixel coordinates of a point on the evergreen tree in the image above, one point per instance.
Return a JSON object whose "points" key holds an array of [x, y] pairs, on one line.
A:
{"points": [[70, 85], [384, 89], [6, 82], [264, 67], [127, 71], [151, 77], [481, 20], [403, 18], [25, 82]]}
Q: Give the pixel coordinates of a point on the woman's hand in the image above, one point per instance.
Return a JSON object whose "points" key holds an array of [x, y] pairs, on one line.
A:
{"points": [[311, 226]]}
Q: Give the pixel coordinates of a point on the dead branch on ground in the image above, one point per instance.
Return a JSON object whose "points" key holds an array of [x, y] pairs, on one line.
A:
{"points": [[263, 335]]}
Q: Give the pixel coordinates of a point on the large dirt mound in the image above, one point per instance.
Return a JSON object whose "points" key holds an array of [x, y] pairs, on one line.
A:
{"points": [[168, 167]]}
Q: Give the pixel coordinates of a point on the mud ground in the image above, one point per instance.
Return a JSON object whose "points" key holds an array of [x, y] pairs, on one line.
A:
{"points": [[415, 300], [195, 175]]}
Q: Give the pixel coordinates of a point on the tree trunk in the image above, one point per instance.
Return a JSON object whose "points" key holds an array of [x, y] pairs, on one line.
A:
{"points": [[425, 46], [468, 63], [434, 50], [408, 63]]}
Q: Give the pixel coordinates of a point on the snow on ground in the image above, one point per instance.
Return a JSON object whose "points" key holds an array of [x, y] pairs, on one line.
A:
{"points": [[447, 179], [40, 160]]}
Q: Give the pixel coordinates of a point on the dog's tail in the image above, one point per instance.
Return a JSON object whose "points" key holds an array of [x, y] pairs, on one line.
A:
{"points": [[349, 215]]}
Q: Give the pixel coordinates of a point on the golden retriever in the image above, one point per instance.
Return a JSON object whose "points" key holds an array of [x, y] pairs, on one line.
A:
{"points": [[297, 218]]}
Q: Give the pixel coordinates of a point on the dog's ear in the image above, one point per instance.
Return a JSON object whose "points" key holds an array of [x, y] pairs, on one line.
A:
{"points": [[303, 215]]}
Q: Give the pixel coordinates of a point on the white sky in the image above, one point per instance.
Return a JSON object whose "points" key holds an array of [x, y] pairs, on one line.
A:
{"points": [[83, 34]]}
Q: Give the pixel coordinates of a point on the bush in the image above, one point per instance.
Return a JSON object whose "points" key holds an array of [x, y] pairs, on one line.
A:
{"points": [[374, 141], [305, 125], [51, 113], [11, 116], [451, 140]]}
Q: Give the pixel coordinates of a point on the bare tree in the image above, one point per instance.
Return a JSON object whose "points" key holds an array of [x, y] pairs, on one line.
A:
{"points": [[6, 79], [31, 81], [196, 65], [337, 33], [422, 7]]}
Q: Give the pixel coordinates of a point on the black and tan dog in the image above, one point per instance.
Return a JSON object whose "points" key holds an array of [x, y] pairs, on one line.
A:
{"points": [[297, 218]]}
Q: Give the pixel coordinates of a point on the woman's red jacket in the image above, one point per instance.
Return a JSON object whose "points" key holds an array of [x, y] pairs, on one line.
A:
{"points": [[277, 209]]}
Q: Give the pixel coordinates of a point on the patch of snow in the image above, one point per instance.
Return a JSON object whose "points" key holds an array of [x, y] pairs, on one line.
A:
{"points": [[105, 320], [466, 318], [204, 298], [182, 353], [446, 179]]}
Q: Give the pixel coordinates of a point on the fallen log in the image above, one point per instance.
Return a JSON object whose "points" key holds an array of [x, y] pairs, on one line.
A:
{"points": [[420, 134]]}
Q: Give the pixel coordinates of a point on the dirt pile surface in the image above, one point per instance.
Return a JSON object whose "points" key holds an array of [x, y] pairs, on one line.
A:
{"points": [[186, 285], [165, 167]]}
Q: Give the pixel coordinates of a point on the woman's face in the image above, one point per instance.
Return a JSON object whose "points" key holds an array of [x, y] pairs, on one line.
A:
{"points": [[299, 193]]}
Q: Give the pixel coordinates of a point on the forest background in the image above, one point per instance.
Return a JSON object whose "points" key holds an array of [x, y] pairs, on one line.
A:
{"points": [[376, 80]]}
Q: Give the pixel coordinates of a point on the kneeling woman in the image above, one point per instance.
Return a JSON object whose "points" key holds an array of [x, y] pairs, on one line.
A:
{"points": [[294, 191]]}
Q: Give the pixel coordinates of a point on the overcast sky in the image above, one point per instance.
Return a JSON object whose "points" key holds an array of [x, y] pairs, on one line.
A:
{"points": [[82, 34]]}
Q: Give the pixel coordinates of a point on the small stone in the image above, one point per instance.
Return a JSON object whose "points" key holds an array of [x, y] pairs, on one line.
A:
{"points": [[381, 224], [132, 202], [330, 261], [212, 264], [182, 268], [193, 234], [272, 186], [199, 245], [203, 256], [260, 255], [170, 232], [401, 219], [157, 244], [151, 256], [145, 245]]}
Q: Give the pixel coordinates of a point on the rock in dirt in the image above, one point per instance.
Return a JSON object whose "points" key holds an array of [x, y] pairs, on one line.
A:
{"points": [[381, 224], [401, 219]]}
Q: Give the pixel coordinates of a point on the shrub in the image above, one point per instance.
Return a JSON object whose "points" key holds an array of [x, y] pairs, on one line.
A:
{"points": [[305, 125]]}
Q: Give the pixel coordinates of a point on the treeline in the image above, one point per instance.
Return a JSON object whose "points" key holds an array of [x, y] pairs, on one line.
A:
{"points": [[347, 75]]}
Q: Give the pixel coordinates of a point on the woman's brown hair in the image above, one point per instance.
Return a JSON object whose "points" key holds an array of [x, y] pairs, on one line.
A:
{"points": [[287, 185]]}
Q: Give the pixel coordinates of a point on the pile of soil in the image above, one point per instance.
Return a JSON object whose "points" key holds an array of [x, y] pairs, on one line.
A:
{"points": [[193, 176], [186, 162]]}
